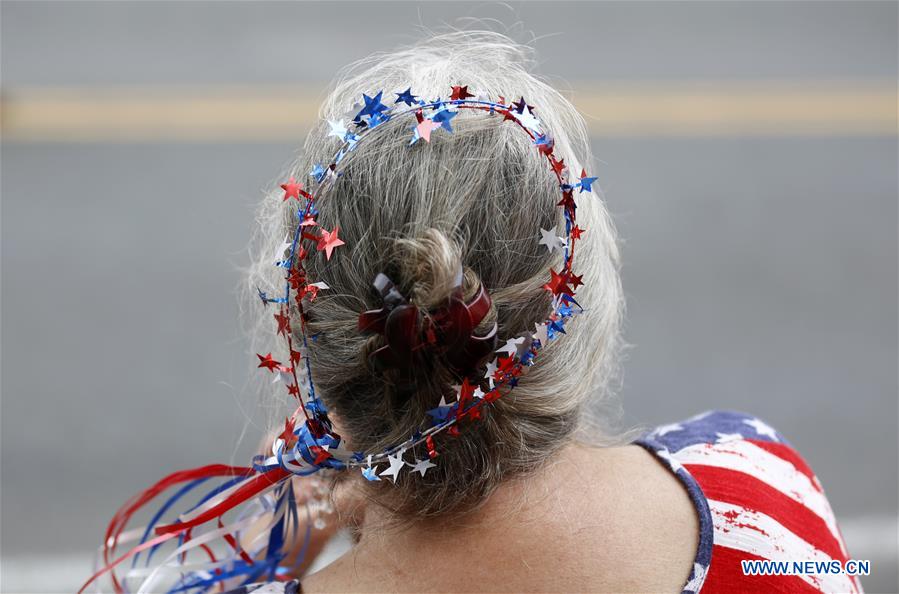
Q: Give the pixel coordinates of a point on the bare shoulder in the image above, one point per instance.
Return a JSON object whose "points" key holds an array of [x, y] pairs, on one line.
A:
{"points": [[604, 520], [645, 527]]}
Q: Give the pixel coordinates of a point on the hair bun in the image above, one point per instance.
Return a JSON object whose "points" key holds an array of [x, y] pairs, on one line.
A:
{"points": [[446, 307]]}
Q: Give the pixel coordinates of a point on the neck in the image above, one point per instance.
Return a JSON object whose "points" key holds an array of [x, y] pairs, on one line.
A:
{"points": [[505, 524], [610, 519]]}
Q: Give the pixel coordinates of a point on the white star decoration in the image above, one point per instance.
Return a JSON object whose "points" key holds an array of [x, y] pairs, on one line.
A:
{"points": [[282, 249], [528, 120], [396, 464], [762, 428], [491, 369], [337, 129], [542, 334], [550, 239], [698, 578], [511, 346], [283, 376], [421, 466]]}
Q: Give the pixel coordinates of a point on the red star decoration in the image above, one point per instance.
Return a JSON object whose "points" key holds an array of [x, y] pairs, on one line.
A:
{"points": [[567, 202], [473, 414], [576, 232], [491, 395], [308, 220], [312, 291], [506, 364], [321, 454], [558, 165], [466, 395], [293, 390], [268, 363], [297, 279], [287, 434], [295, 357], [460, 93], [547, 148], [558, 284], [575, 280], [432, 451], [503, 366], [292, 189], [328, 241], [283, 323]]}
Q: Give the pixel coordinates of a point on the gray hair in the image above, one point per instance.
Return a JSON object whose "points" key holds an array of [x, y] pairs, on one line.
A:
{"points": [[475, 198]]}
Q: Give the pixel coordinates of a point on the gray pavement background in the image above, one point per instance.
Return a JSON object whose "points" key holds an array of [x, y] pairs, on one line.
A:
{"points": [[761, 273]]}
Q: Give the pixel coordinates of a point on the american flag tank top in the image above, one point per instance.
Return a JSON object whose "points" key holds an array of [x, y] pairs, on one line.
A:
{"points": [[757, 500]]}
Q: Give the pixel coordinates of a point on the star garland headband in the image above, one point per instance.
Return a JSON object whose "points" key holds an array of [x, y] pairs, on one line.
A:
{"points": [[315, 445], [305, 448]]}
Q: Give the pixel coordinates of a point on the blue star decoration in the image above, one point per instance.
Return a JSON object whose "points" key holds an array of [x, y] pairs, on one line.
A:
{"points": [[443, 117], [318, 172], [373, 106], [544, 141], [520, 106], [555, 327], [377, 118], [406, 97], [440, 412], [371, 473], [586, 183]]}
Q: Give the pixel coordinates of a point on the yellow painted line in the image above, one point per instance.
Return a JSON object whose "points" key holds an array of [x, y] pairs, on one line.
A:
{"points": [[285, 113]]}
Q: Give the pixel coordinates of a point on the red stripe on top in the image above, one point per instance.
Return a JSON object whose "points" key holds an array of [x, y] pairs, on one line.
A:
{"points": [[726, 576], [785, 452], [739, 488]]}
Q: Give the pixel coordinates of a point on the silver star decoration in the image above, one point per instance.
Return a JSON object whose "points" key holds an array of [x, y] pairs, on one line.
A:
{"points": [[529, 120], [337, 129], [542, 333], [285, 245], [550, 239], [283, 376], [421, 466], [511, 346], [396, 465]]}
